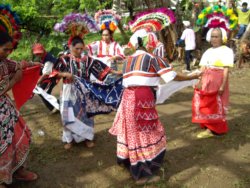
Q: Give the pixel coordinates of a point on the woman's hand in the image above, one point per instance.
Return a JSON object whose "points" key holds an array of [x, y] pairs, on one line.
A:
{"points": [[113, 58], [18, 76], [68, 76], [221, 90], [116, 72], [37, 63]]}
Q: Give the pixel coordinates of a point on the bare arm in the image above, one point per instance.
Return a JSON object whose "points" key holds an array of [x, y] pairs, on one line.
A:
{"points": [[183, 77], [66, 75], [116, 72]]}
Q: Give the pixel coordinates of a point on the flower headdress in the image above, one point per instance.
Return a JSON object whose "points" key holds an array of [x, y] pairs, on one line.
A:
{"points": [[76, 24], [9, 23], [107, 19], [217, 16], [152, 20]]}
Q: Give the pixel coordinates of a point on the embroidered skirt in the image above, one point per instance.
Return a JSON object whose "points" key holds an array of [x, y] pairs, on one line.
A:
{"points": [[141, 140], [82, 100], [14, 139]]}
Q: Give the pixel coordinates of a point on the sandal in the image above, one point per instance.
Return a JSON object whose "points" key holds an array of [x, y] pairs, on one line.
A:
{"points": [[68, 146], [205, 134], [150, 179], [25, 175], [89, 143]]}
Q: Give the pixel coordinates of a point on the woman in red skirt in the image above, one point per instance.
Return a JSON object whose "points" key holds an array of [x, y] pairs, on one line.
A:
{"points": [[141, 139], [210, 103], [14, 133]]}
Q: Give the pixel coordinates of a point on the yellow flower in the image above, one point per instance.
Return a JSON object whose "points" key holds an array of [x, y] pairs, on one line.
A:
{"points": [[209, 9], [103, 27], [112, 26], [233, 17], [201, 16], [229, 12]]}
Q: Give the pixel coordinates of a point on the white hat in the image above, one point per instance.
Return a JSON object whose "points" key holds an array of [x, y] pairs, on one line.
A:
{"points": [[223, 31], [140, 33], [186, 23]]}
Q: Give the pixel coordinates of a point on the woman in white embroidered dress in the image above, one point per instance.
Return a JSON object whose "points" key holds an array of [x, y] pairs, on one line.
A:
{"points": [[108, 51]]}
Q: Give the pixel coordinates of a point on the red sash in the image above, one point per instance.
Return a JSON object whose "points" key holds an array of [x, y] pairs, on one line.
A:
{"points": [[23, 89], [207, 107]]}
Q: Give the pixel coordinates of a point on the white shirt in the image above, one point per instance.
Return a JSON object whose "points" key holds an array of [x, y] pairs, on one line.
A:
{"points": [[218, 57], [47, 68], [188, 36]]}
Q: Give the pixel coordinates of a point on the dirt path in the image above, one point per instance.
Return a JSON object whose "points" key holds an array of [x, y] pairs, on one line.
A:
{"points": [[216, 162]]}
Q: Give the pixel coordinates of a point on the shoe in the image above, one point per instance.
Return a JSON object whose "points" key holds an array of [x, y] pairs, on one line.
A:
{"points": [[205, 134], [25, 175], [185, 71], [54, 111], [150, 179]]}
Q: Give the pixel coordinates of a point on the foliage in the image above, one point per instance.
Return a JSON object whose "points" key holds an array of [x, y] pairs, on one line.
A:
{"points": [[39, 16], [186, 7], [54, 43]]}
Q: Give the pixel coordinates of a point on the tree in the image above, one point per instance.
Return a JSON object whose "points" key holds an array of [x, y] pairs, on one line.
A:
{"points": [[40, 16]]}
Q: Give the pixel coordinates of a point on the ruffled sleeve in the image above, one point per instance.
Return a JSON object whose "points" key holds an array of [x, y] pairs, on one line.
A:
{"points": [[93, 48], [163, 69]]}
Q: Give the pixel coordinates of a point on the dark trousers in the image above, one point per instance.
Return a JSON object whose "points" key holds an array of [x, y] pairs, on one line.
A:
{"points": [[48, 86], [188, 58]]}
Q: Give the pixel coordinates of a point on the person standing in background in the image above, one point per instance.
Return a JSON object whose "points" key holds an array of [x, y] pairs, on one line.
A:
{"points": [[188, 36], [243, 19]]}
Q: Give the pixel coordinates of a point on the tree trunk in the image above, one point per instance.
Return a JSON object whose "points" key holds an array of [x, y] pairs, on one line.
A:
{"points": [[117, 9], [149, 5], [116, 5]]}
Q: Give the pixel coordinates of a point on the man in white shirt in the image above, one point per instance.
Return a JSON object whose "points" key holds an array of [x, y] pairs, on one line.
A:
{"points": [[188, 36]]}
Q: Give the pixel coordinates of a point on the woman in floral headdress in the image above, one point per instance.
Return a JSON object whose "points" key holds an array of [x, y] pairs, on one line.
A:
{"points": [[141, 139], [211, 97], [107, 50], [155, 46], [79, 101], [14, 133]]}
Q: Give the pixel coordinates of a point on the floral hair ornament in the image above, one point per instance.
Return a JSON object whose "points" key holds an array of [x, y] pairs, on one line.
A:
{"points": [[216, 16], [9, 23], [107, 19], [76, 24], [152, 20]]}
